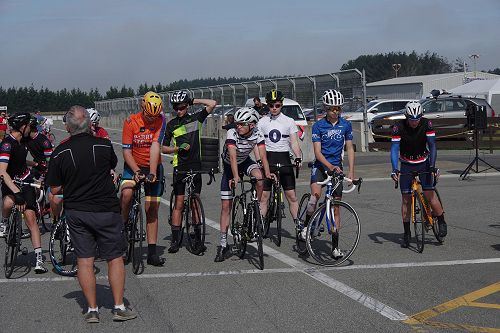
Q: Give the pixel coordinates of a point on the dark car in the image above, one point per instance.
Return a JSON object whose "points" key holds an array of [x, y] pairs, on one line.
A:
{"points": [[443, 108]]}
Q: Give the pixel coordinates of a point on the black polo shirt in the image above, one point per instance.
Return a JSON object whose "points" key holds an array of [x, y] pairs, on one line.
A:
{"points": [[39, 147], [82, 165]]}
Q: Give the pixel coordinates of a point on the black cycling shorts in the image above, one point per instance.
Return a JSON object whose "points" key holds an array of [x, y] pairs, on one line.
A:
{"points": [[318, 174], [180, 186], [91, 229], [28, 194], [287, 175]]}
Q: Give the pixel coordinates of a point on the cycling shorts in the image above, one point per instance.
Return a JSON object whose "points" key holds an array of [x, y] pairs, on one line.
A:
{"points": [[152, 191], [318, 174], [244, 167], [426, 179], [287, 176], [180, 186], [28, 192]]}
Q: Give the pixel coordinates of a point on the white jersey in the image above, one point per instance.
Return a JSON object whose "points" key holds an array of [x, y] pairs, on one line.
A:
{"points": [[277, 131], [244, 146]]}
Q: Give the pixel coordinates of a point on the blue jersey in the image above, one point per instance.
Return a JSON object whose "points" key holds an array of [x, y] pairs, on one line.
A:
{"points": [[332, 138]]}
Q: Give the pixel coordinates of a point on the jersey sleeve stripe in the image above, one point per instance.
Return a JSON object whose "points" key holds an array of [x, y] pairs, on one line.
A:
{"points": [[126, 146]]}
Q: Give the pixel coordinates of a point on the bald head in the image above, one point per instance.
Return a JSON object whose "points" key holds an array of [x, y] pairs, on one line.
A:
{"points": [[78, 120]]}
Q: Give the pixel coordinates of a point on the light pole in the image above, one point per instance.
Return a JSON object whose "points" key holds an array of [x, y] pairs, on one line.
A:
{"points": [[396, 68], [474, 58]]}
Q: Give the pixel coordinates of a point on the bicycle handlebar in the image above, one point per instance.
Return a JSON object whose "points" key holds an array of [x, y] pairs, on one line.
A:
{"points": [[415, 174], [194, 172], [355, 182], [23, 183], [279, 166]]}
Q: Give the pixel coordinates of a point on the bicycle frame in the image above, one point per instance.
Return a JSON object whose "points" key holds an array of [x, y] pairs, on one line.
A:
{"points": [[416, 189]]}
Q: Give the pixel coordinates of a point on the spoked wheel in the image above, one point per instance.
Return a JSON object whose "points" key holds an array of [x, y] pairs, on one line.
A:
{"points": [[259, 233], [13, 240], [418, 220], [61, 252], [238, 228], [329, 247], [137, 263], [271, 208], [301, 216], [435, 225], [195, 219], [279, 216]]}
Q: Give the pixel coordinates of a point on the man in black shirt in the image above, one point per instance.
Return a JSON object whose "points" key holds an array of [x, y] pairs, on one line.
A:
{"points": [[262, 109], [82, 167]]}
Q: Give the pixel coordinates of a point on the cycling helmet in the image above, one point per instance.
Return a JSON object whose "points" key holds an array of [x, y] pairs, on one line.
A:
{"points": [[246, 115], [332, 97], [413, 110], [94, 115], [179, 97], [19, 119], [33, 122], [274, 96], [152, 104]]}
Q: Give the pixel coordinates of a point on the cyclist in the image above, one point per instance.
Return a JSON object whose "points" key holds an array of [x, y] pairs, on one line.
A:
{"points": [[141, 138], [13, 165], [184, 130], [3, 124], [329, 136], [240, 142], [280, 133], [41, 121], [414, 144], [98, 131]]}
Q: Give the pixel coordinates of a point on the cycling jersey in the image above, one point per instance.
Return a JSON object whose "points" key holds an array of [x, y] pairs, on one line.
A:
{"points": [[13, 153], [186, 129], [244, 145], [332, 139], [138, 136], [100, 132], [277, 131], [412, 143], [39, 147]]}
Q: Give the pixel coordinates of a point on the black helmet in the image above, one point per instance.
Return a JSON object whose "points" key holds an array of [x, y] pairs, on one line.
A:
{"points": [[19, 119], [179, 97], [274, 96], [33, 122]]}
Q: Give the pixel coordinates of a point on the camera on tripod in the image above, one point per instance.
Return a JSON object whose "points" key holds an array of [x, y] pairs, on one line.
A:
{"points": [[477, 119]]}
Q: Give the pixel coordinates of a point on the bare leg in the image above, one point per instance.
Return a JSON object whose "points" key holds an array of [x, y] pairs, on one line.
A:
{"points": [[86, 278]]}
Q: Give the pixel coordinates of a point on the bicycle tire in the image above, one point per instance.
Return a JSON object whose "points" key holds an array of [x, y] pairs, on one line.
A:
{"points": [[13, 239], [131, 226], [138, 249], [321, 248], [190, 225], [279, 216], [418, 219], [270, 213], [171, 207], [238, 227], [299, 242], [257, 220], [62, 258], [435, 224]]}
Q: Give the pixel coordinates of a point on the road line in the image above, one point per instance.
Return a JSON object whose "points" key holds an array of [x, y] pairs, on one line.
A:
{"points": [[218, 273]]}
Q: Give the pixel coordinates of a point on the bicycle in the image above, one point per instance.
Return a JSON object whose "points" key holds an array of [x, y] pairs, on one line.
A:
{"points": [[135, 230], [191, 216], [61, 252], [276, 206], [340, 237], [421, 213], [47, 132], [246, 221]]}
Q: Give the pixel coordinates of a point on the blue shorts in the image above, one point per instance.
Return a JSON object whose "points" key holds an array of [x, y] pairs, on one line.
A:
{"points": [[244, 167], [426, 179], [152, 191]]}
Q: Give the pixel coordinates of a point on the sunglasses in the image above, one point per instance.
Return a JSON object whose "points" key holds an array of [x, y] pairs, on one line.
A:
{"points": [[332, 108], [275, 105], [180, 107], [241, 124]]}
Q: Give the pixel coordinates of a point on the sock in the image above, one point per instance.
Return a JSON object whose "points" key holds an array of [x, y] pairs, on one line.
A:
{"points": [[93, 309], [120, 306], [38, 252], [406, 226], [176, 230], [335, 240], [151, 250], [223, 239]]}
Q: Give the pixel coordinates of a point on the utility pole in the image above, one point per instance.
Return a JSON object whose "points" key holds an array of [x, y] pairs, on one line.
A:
{"points": [[396, 68], [474, 58]]}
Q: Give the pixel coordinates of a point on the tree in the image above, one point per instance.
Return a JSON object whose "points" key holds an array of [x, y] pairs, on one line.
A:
{"points": [[494, 71]]}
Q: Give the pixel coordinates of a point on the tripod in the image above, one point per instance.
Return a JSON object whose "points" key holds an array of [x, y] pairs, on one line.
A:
{"points": [[476, 159]]}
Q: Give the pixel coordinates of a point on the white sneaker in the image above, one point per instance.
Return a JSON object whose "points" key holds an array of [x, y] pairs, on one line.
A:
{"points": [[3, 227], [337, 254], [40, 268], [303, 233]]}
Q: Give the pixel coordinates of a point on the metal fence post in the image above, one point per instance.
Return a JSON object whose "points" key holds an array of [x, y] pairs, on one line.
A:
{"points": [[366, 146]]}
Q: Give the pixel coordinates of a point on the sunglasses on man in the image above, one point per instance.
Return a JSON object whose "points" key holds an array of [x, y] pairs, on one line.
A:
{"points": [[179, 107], [275, 105]]}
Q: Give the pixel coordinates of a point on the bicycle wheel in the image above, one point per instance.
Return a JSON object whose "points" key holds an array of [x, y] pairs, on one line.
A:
{"points": [[418, 219], [259, 230], [435, 225], [131, 231], [301, 216], [12, 239], [238, 227], [62, 255], [171, 209], [195, 213], [271, 208], [279, 215], [138, 247], [320, 238]]}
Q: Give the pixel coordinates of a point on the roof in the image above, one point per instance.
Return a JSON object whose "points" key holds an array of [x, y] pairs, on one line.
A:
{"points": [[478, 87], [430, 78]]}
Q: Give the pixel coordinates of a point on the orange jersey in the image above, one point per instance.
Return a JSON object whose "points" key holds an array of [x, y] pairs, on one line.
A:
{"points": [[138, 136]]}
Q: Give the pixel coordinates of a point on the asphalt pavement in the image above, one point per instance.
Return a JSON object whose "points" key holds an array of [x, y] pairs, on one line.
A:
{"points": [[382, 288]]}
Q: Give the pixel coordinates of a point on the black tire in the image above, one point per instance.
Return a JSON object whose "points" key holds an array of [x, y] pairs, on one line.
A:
{"points": [[13, 239], [238, 228], [418, 219], [137, 263], [131, 232], [279, 216], [319, 236], [200, 215], [257, 220], [435, 224], [62, 256], [271, 207], [171, 207], [299, 242]]}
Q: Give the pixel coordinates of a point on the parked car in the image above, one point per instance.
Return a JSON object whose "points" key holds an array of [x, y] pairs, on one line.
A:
{"points": [[290, 108], [443, 107], [376, 107], [309, 113], [220, 110]]}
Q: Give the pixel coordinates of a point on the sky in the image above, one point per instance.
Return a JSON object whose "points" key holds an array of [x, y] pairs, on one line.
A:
{"points": [[101, 43]]}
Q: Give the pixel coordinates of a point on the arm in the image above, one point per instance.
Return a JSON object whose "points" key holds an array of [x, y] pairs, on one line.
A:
{"points": [[321, 158], [350, 156], [234, 165], [6, 178], [154, 157], [209, 103], [395, 142], [265, 163], [294, 142]]}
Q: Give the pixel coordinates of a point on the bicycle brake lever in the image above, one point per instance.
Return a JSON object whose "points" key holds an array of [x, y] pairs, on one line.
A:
{"points": [[358, 183]]}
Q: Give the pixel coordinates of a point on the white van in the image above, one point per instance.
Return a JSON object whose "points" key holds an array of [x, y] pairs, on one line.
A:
{"points": [[290, 108], [376, 107]]}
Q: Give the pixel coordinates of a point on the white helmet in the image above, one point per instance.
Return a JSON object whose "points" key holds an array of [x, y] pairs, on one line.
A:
{"points": [[413, 110], [246, 115], [332, 98], [94, 115]]}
